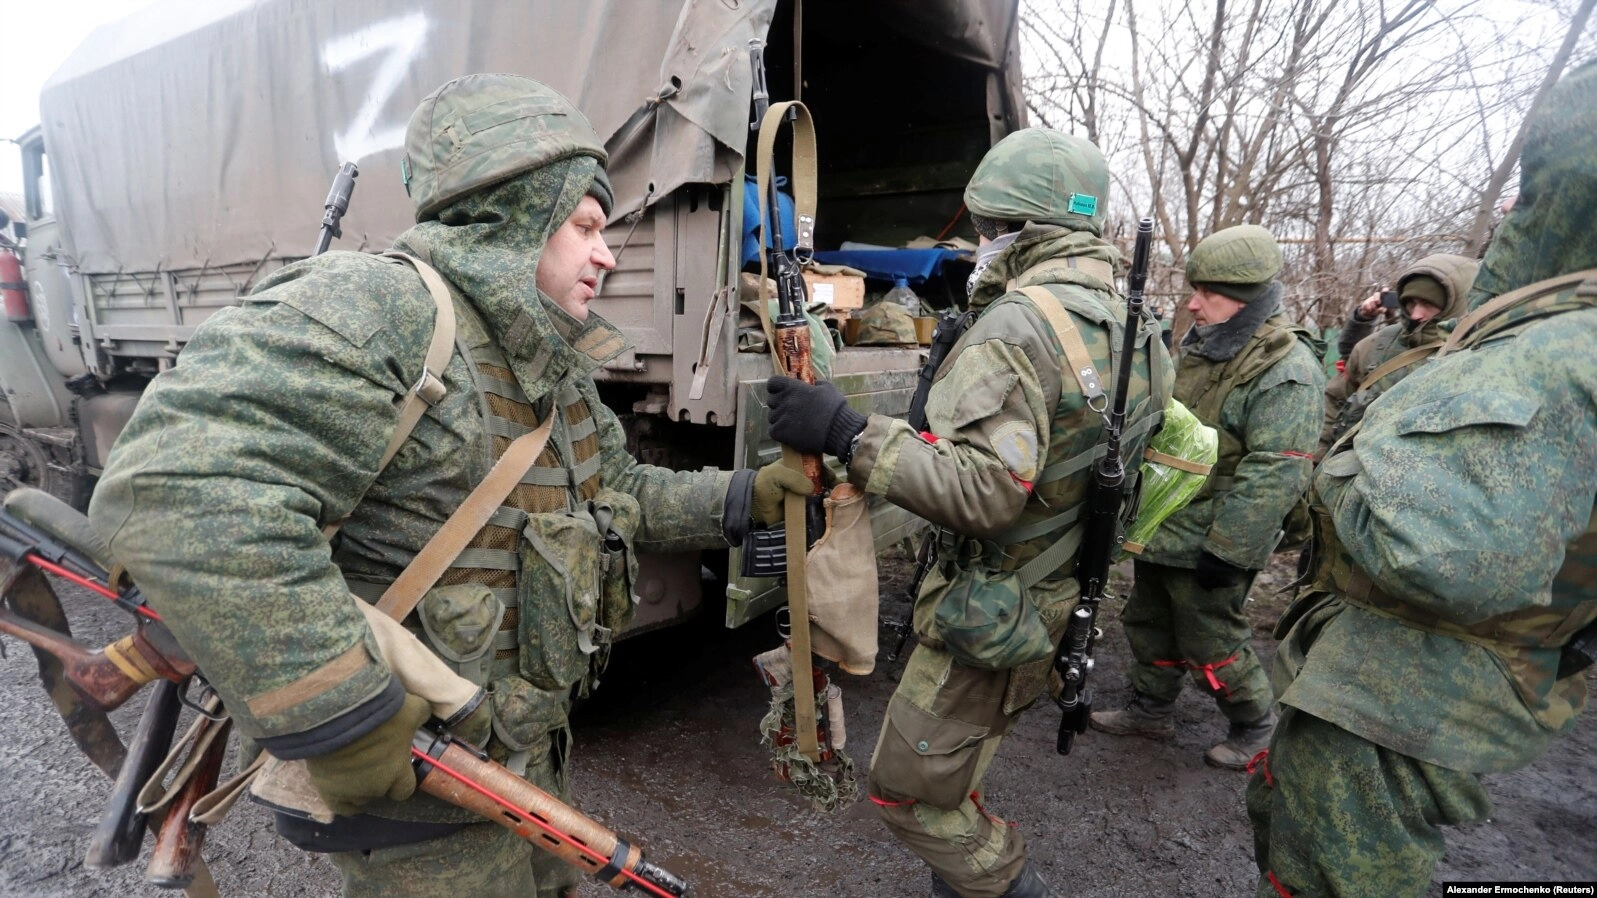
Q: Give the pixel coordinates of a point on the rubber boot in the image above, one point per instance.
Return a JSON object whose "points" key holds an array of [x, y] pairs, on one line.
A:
{"points": [[1242, 743], [1143, 716]]}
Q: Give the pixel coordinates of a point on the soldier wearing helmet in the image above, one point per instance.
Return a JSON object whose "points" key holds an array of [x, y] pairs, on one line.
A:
{"points": [[1253, 376], [1003, 472], [274, 426]]}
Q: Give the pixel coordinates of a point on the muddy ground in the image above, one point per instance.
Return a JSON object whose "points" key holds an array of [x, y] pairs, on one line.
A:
{"points": [[668, 754]]}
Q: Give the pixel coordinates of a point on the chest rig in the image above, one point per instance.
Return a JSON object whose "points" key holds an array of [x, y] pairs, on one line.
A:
{"points": [[563, 477], [524, 586]]}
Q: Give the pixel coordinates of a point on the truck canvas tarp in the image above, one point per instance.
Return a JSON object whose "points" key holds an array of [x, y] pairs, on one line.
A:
{"points": [[204, 132], [185, 152]]}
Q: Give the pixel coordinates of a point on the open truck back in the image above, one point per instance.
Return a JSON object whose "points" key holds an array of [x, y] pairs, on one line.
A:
{"points": [[185, 152]]}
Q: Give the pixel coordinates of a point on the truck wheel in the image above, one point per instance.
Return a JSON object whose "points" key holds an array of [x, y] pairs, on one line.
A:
{"points": [[23, 462]]}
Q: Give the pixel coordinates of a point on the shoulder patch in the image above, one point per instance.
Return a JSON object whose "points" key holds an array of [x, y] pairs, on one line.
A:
{"points": [[1015, 444]]}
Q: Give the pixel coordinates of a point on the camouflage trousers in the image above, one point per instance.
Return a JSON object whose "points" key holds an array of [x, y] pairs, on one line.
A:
{"points": [[1176, 626], [484, 860], [943, 725], [1336, 815]]}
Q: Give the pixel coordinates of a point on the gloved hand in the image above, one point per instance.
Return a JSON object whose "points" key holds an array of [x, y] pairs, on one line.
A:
{"points": [[1213, 573], [771, 486], [376, 765], [812, 418], [478, 724]]}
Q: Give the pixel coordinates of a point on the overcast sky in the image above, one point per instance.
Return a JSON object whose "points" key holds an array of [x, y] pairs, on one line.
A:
{"points": [[39, 36]]}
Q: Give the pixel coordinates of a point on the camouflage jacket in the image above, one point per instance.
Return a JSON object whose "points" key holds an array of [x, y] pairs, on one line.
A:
{"points": [[1350, 392], [1266, 419], [1002, 411], [270, 426], [1450, 515]]}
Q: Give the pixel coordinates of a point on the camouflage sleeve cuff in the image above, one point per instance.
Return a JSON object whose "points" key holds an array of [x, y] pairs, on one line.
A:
{"points": [[341, 730]]}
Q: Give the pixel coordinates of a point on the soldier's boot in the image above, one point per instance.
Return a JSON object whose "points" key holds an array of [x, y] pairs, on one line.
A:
{"points": [[1242, 743], [1143, 716], [1029, 884]]}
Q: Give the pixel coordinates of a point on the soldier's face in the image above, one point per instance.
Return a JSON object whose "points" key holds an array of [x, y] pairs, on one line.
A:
{"points": [[1420, 311], [1208, 307], [568, 270]]}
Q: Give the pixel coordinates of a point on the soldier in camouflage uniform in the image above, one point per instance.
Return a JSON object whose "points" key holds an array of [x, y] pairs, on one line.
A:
{"points": [[272, 425], [1003, 472], [1457, 555], [1431, 292], [1255, 377]]}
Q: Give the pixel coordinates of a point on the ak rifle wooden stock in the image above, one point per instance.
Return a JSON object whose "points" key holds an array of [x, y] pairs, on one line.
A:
{"points": [[174, 859], [104, 682]]}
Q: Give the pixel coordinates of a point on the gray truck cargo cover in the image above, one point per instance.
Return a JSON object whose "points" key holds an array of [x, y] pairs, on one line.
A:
{"points": [[205, 132]]}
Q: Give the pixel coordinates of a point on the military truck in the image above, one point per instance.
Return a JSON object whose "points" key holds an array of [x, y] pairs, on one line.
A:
{"points": [[185, 153]]}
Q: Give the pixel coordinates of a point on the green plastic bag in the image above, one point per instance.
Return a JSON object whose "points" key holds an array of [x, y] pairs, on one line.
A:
{"points": [[1170, 473]]}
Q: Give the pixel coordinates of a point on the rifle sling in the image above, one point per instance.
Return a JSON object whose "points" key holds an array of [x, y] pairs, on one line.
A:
{"points": [[803, 181], [429, 387]]}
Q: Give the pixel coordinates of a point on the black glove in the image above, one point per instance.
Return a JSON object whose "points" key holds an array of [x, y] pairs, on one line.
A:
{"points": [[1213, 573], [812, 418]]}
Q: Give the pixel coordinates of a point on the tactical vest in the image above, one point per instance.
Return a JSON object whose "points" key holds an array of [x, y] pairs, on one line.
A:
{"points": [[1040, 547], [530, 607], [1515, 637], [1204, 385]]}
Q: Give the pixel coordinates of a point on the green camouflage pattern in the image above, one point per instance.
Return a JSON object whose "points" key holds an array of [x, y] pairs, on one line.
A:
{"points": [[1043, 176], [1450, 517], [271, 425], [1549, 231], [1347, 394], [1195, 632], [1003, 412], [885, 324], [1334, 814], [480, 130], [1263, 403], [1243, 254], [1442, 553]]}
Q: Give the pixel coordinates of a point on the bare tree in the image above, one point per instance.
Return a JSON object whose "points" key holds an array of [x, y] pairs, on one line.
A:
{"points": [[1354, 129]]}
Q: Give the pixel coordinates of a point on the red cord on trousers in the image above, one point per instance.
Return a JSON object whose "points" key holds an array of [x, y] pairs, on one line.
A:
{"points": [[1208, 671], [1277, 883], [1262, 761]]}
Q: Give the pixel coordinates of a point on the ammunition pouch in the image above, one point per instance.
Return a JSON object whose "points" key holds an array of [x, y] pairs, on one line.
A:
{"points": [[575, 589]]}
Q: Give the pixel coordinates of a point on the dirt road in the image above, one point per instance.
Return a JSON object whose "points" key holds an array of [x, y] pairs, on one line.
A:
{"points": [[668, 754]]}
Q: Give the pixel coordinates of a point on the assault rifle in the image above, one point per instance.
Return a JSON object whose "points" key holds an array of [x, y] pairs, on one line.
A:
{"points": [[468, 778], [1073, 659], [336, 205]]}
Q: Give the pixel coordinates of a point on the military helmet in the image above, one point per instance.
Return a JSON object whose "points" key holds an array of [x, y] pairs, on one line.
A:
{"points": [[479, 130], [1238, 262], [1041, 175]]}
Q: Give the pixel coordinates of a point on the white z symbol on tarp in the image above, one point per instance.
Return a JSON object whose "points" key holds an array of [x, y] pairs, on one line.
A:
{"points": [[400, 40]]}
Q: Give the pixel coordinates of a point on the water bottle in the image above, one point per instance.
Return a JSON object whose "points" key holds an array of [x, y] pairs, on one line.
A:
{"points": [[904, 296]]}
